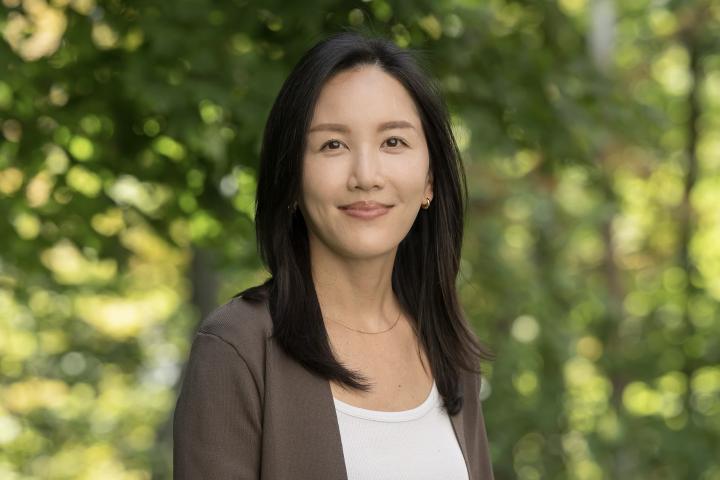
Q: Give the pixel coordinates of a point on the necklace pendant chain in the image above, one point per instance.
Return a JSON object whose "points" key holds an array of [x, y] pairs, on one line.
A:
{"points": [[371, 333]]}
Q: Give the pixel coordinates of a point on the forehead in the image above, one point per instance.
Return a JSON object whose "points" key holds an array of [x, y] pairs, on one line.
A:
{"points": [[364, 94]]}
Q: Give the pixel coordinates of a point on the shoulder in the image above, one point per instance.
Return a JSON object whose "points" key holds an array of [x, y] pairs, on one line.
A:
{"points": [[243, 324], [472, 385]]}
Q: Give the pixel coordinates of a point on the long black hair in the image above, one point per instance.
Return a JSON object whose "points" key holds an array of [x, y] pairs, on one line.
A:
{"points": [[428, 258]]}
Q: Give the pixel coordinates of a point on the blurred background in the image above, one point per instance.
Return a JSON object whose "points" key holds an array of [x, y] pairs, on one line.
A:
{"points": [[590, 132]]}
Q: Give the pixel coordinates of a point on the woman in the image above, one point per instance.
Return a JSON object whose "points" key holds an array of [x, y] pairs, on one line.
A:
{"points": [[354, 360]]}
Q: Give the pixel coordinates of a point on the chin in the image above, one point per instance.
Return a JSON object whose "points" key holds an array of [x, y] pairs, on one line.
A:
{"points": [[359, 250]]}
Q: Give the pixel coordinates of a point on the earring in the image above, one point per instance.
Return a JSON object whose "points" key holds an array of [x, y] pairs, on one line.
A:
{"points": [[292, 207], [426, 204]]}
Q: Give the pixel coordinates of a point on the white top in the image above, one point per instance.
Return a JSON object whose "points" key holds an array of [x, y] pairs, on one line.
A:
{"points": [[415, 444]]}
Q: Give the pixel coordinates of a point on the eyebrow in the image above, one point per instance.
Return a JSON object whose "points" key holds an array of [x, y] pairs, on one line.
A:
{"points": [[339, 127]]}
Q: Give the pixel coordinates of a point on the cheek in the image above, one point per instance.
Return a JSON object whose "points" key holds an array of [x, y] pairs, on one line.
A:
{"points": [[320, 183], [410, 175]]}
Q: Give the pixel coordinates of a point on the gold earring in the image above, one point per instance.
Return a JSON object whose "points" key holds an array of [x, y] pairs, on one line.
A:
{"points": [[426, 203]]}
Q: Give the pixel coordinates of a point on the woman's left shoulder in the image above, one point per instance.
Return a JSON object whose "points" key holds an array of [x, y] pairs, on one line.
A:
{"points": [[472, 383]]}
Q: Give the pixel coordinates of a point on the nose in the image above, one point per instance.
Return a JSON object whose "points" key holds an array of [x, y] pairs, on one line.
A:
{"points": [[367, 171]]}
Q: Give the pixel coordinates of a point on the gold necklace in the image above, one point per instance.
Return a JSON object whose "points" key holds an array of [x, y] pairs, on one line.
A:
{"points": [[362, 331]]}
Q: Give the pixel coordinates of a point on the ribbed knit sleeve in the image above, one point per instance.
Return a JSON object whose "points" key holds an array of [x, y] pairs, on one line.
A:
{"points": [[217, 419]]}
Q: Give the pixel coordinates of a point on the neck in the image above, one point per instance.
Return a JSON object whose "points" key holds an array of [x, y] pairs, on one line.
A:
{"points": [[357, 292]]}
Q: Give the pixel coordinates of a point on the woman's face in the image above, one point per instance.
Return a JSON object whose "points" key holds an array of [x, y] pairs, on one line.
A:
{"points": [[365, 143]]}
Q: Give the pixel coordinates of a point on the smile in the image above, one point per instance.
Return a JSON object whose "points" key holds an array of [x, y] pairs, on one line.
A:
{"points": [[366, 213]]}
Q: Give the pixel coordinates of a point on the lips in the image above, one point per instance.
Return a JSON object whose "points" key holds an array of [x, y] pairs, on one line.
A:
{"points": [[366, 210], [365, 206]]}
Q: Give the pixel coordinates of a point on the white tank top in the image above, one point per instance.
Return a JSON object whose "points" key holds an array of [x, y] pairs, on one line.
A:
{"points": [[415, 444]]}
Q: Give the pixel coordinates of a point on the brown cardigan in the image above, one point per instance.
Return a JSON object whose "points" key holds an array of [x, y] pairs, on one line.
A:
{"points": [[246, 410]]}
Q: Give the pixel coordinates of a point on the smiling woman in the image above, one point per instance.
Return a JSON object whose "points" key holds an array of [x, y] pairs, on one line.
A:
{"points": [[354, 360], [366, 155]]}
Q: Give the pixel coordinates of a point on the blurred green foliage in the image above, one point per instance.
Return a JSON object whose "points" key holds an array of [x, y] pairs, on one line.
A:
{"points": [[129, 140]]}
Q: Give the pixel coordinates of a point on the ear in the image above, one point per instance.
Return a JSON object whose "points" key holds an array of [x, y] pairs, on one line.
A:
{"points": [[429, 185]]}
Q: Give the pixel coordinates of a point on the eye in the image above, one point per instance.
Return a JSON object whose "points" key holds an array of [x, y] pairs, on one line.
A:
{"points": [[333, 142], [396, 141]]}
